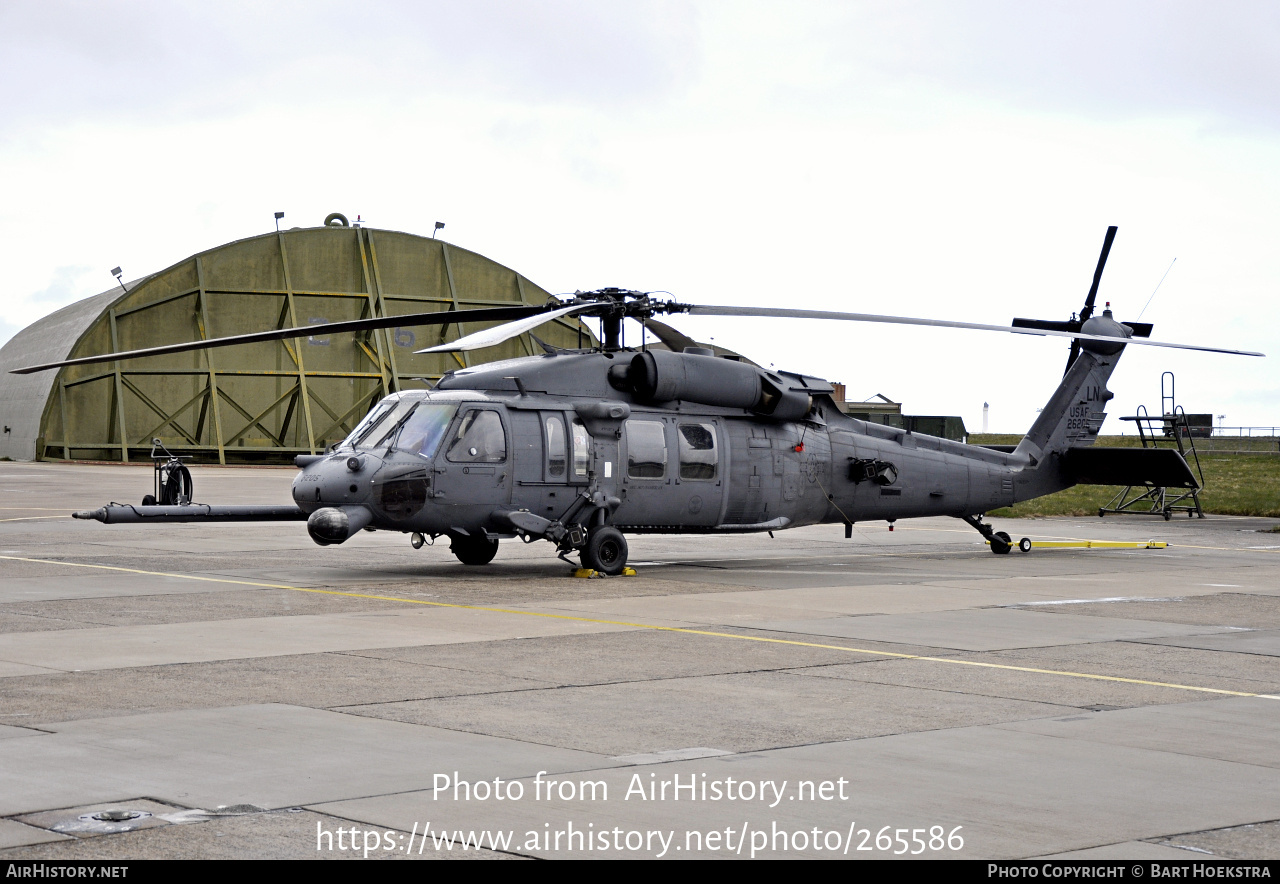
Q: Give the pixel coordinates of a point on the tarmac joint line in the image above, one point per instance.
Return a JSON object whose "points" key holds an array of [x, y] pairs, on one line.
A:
{"points": [[656, 628]]}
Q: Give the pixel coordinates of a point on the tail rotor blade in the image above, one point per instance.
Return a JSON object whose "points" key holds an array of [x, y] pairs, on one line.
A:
{"points": [[1097, 277]]}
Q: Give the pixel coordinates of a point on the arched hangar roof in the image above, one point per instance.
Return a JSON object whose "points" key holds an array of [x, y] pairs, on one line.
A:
{"points": [[23, 396], [261, 402]]}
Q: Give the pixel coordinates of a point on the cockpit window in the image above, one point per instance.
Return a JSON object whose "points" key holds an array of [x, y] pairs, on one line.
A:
{"points": [[378, 424], [479, 439], [369, 420], [407, 424], [424, 429]]}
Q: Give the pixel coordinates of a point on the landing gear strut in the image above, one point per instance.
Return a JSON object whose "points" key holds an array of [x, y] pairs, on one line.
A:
{"points": [[1000, 542]]}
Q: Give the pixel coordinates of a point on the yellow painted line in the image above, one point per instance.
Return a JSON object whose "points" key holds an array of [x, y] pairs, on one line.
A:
{"points": [[685, 630]]}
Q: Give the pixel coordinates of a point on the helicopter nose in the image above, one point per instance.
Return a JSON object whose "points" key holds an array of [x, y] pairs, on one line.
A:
{"points": [[340, 480]]}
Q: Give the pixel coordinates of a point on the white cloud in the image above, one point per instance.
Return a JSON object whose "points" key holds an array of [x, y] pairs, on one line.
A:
{"points": [[890, 158]]}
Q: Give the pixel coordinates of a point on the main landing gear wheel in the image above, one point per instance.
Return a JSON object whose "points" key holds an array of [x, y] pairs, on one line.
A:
{"points": [[606, 551], [1001, 543], [473, 550]]}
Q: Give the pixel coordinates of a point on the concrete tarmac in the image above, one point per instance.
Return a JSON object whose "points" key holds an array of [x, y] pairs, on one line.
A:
{"points": [[238, 692]]}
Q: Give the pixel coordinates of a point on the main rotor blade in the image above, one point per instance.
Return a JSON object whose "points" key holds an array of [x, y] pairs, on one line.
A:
{"points": [[674, 338], [1097, 274], [777, 312], [446, 317], [490, 337]]}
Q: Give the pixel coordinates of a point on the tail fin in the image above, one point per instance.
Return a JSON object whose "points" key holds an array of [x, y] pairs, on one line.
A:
{"points": [[1075, 412]]}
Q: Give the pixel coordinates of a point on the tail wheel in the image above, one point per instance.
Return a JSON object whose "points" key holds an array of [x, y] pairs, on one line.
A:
{"points": [[1001, 543], [473, 550], [606, 551]]}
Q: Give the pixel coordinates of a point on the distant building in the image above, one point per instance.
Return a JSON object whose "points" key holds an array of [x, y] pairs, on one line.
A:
{"points": [[880, 409]]}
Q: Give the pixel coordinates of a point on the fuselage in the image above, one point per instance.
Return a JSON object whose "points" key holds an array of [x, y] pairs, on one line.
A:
{"points": [[557, 438]]}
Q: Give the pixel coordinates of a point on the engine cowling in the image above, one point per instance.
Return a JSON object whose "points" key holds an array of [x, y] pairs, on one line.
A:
{"points": [[663, 376]]}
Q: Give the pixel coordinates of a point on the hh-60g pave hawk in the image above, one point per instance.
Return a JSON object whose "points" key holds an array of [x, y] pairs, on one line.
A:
{"points": [[581, 447]]}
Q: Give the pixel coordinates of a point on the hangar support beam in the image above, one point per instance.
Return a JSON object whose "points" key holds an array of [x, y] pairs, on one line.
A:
{"points": [[261, 402]]}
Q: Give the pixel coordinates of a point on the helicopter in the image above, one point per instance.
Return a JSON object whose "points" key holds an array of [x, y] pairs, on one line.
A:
{"points": [[582, 447]]}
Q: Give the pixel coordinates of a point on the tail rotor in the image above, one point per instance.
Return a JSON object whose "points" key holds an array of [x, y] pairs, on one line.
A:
{"points": [[1074, 324]]}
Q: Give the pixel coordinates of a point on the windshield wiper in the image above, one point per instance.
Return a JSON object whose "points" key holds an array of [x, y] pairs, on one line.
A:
{"points": [[369, 428], [394, 435]]}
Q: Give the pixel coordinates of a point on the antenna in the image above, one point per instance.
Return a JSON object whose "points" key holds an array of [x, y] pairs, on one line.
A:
{"points": [[117, 273], [279, 215], [439, 227], [1157, 288]]}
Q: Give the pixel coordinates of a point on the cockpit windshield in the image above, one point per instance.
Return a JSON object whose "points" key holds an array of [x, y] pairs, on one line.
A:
{"points": [[406, 425]]}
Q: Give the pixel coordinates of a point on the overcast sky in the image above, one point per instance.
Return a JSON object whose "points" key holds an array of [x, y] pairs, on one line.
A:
{"points": [[937, 159]]}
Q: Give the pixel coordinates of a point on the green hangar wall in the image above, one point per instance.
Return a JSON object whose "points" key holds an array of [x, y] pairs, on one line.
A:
{"points": [[263, 402]]}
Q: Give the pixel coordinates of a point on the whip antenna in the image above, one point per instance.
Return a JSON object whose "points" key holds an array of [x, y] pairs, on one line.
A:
{"points": [[1157, 288]]}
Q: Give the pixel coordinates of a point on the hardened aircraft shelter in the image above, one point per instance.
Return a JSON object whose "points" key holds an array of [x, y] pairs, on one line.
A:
{"points": [[263, 402]]}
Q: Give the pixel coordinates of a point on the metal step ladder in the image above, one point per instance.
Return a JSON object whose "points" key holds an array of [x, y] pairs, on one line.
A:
{"points": [[1154, 500]]}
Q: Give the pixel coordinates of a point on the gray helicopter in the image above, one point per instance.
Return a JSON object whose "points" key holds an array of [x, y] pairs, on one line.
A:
{"points": [[582, 447]]}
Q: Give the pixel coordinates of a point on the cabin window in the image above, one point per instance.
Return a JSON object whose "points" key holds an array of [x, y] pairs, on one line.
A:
{"points": [[581, 449], [557, 450], [698, 455], [479, 439], [646, 449]]}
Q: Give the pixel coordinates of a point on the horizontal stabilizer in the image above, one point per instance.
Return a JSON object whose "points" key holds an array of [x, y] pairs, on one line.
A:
{"points": [[1160, 467], [1140, 329]]}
